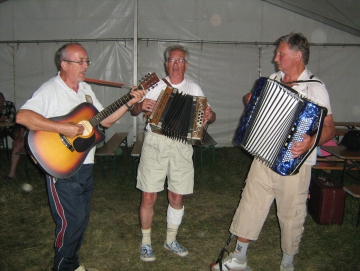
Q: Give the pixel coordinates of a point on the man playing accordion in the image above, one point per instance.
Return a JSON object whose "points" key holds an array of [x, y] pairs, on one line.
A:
{"points": [[163, 157], [264, 185]]}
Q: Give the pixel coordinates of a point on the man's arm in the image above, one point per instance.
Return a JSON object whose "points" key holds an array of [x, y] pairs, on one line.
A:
{"points": [[137, 96], [146, 105], [35, 121], [328, 130], [327, 133]]}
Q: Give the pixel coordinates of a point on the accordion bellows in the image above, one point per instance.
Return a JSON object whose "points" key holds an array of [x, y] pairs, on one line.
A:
{"points": [[276, 116], [179, 116]]}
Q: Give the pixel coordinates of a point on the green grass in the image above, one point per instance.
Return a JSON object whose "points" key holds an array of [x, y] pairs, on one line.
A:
{"points": [[113, 237]]}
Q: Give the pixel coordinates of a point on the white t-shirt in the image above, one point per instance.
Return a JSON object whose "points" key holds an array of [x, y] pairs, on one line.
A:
{"points": [[54, 98], [315, 92], [187, 86]]}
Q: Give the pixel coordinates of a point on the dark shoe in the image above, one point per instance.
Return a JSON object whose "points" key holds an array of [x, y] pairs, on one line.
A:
{"points": [[8, 178]]}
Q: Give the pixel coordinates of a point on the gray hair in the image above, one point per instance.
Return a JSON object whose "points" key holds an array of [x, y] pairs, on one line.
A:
{"points": [[177, 47], [61, 54], [297, 42]]}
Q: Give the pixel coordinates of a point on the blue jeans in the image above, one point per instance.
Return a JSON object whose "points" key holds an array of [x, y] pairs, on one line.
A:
{"points": [[69, 200]]}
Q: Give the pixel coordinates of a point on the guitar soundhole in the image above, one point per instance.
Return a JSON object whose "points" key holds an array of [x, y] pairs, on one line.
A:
{"points": [[83, 144]]}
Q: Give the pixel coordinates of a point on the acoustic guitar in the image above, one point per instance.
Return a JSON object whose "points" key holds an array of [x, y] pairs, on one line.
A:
{"points": [[60, 156]]}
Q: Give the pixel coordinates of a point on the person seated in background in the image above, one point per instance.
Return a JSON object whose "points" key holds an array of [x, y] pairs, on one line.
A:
{"points": [[7, 114], [7, 109], [17, 135]]}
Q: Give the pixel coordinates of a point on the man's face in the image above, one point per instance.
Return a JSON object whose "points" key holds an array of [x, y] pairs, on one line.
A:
{"points": [[285, 57], [75, 71], [176, 65]]}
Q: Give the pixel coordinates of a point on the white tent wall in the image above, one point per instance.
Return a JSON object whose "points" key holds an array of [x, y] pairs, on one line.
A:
{"points": [[230, 43]]}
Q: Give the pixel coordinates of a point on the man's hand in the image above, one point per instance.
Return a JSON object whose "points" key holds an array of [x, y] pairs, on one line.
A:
{"points": [[148, 105], [298, 148], [247, 98], [137, 96], [71, 129], [209, 116]]}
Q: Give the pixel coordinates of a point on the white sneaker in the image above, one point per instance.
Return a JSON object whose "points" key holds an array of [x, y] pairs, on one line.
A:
{"points": [[82, 268], [231, 263], [147, 253], [176, 248], [286, 267]]}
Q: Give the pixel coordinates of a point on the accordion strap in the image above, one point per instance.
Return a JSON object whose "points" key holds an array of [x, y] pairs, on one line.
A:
{"points": [[301, 81]]}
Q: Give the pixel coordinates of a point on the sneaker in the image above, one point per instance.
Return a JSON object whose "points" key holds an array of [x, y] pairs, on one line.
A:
{"points": [[82, 268], [147, 254], [176, 248], [231, 263], [286, 267]]}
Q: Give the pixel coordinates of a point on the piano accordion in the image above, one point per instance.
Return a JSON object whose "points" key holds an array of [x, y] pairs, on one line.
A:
{"points": [[275, 117], [179, 116]]}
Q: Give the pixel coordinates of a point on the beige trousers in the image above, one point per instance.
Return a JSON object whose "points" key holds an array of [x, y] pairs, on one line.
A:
{"points": [[261, 188]]}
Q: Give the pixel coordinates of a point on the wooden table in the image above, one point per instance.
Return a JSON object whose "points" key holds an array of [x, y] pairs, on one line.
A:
{"points": [[348, 124], [351, 158]]}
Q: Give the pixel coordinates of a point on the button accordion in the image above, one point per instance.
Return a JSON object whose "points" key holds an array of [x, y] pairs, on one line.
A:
{"points": [[179, 116], [275, 117]]}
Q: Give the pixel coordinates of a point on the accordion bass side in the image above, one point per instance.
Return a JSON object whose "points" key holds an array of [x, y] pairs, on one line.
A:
{"points": [[275, 117], [179, 116]]}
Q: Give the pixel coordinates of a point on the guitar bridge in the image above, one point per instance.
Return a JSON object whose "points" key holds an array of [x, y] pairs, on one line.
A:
{"points": [[66, 142]]}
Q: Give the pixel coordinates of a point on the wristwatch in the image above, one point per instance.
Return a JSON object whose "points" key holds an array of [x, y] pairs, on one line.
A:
{"points": [[129, 107]]}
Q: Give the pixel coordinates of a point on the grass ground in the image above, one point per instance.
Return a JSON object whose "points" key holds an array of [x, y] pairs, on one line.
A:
{"points": [[113, 237]]}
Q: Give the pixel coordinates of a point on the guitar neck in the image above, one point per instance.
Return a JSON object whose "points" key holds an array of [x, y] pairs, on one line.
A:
{"points": [[105, 83], [148, 81], [95, 120]]}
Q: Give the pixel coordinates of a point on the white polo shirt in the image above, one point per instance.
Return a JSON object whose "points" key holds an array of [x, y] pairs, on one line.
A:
{"points": [[54, 98]]}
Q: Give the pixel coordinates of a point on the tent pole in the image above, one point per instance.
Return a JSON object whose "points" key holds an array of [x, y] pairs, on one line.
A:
{"points": [[135, 57]]}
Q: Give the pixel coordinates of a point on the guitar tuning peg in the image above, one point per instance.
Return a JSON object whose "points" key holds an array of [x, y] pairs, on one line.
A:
{"points": [[149, 73]]}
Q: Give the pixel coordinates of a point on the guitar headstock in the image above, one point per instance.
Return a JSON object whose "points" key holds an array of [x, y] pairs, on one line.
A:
{"points": [[149, 81]]}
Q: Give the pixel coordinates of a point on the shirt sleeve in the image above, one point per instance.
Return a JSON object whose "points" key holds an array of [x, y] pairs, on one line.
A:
{"points": [[10, 111]]}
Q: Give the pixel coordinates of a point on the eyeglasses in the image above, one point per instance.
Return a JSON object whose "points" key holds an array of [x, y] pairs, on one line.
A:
{"points": [[179, 60], [81, 62]]}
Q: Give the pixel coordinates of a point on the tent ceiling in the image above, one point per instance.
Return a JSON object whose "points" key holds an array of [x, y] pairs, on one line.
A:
{"points": [[344, 14]]}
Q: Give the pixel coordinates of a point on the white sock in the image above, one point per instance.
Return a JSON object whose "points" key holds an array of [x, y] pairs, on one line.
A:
{"points": [[287, 259], [171, 233], [240, 250], [173, 219], [146, 237]]}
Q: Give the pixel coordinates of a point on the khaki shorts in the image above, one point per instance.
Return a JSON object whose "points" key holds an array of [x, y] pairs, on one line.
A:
{"points": [[163, 157], [261, 188]]}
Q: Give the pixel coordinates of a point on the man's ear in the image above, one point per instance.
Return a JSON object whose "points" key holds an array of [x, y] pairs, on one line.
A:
{"points": [[64, 65], [298, 55]]}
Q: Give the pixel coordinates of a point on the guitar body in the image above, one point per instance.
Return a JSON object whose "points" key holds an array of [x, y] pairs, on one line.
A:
{"points": [[60, 156], [53, 155]]}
